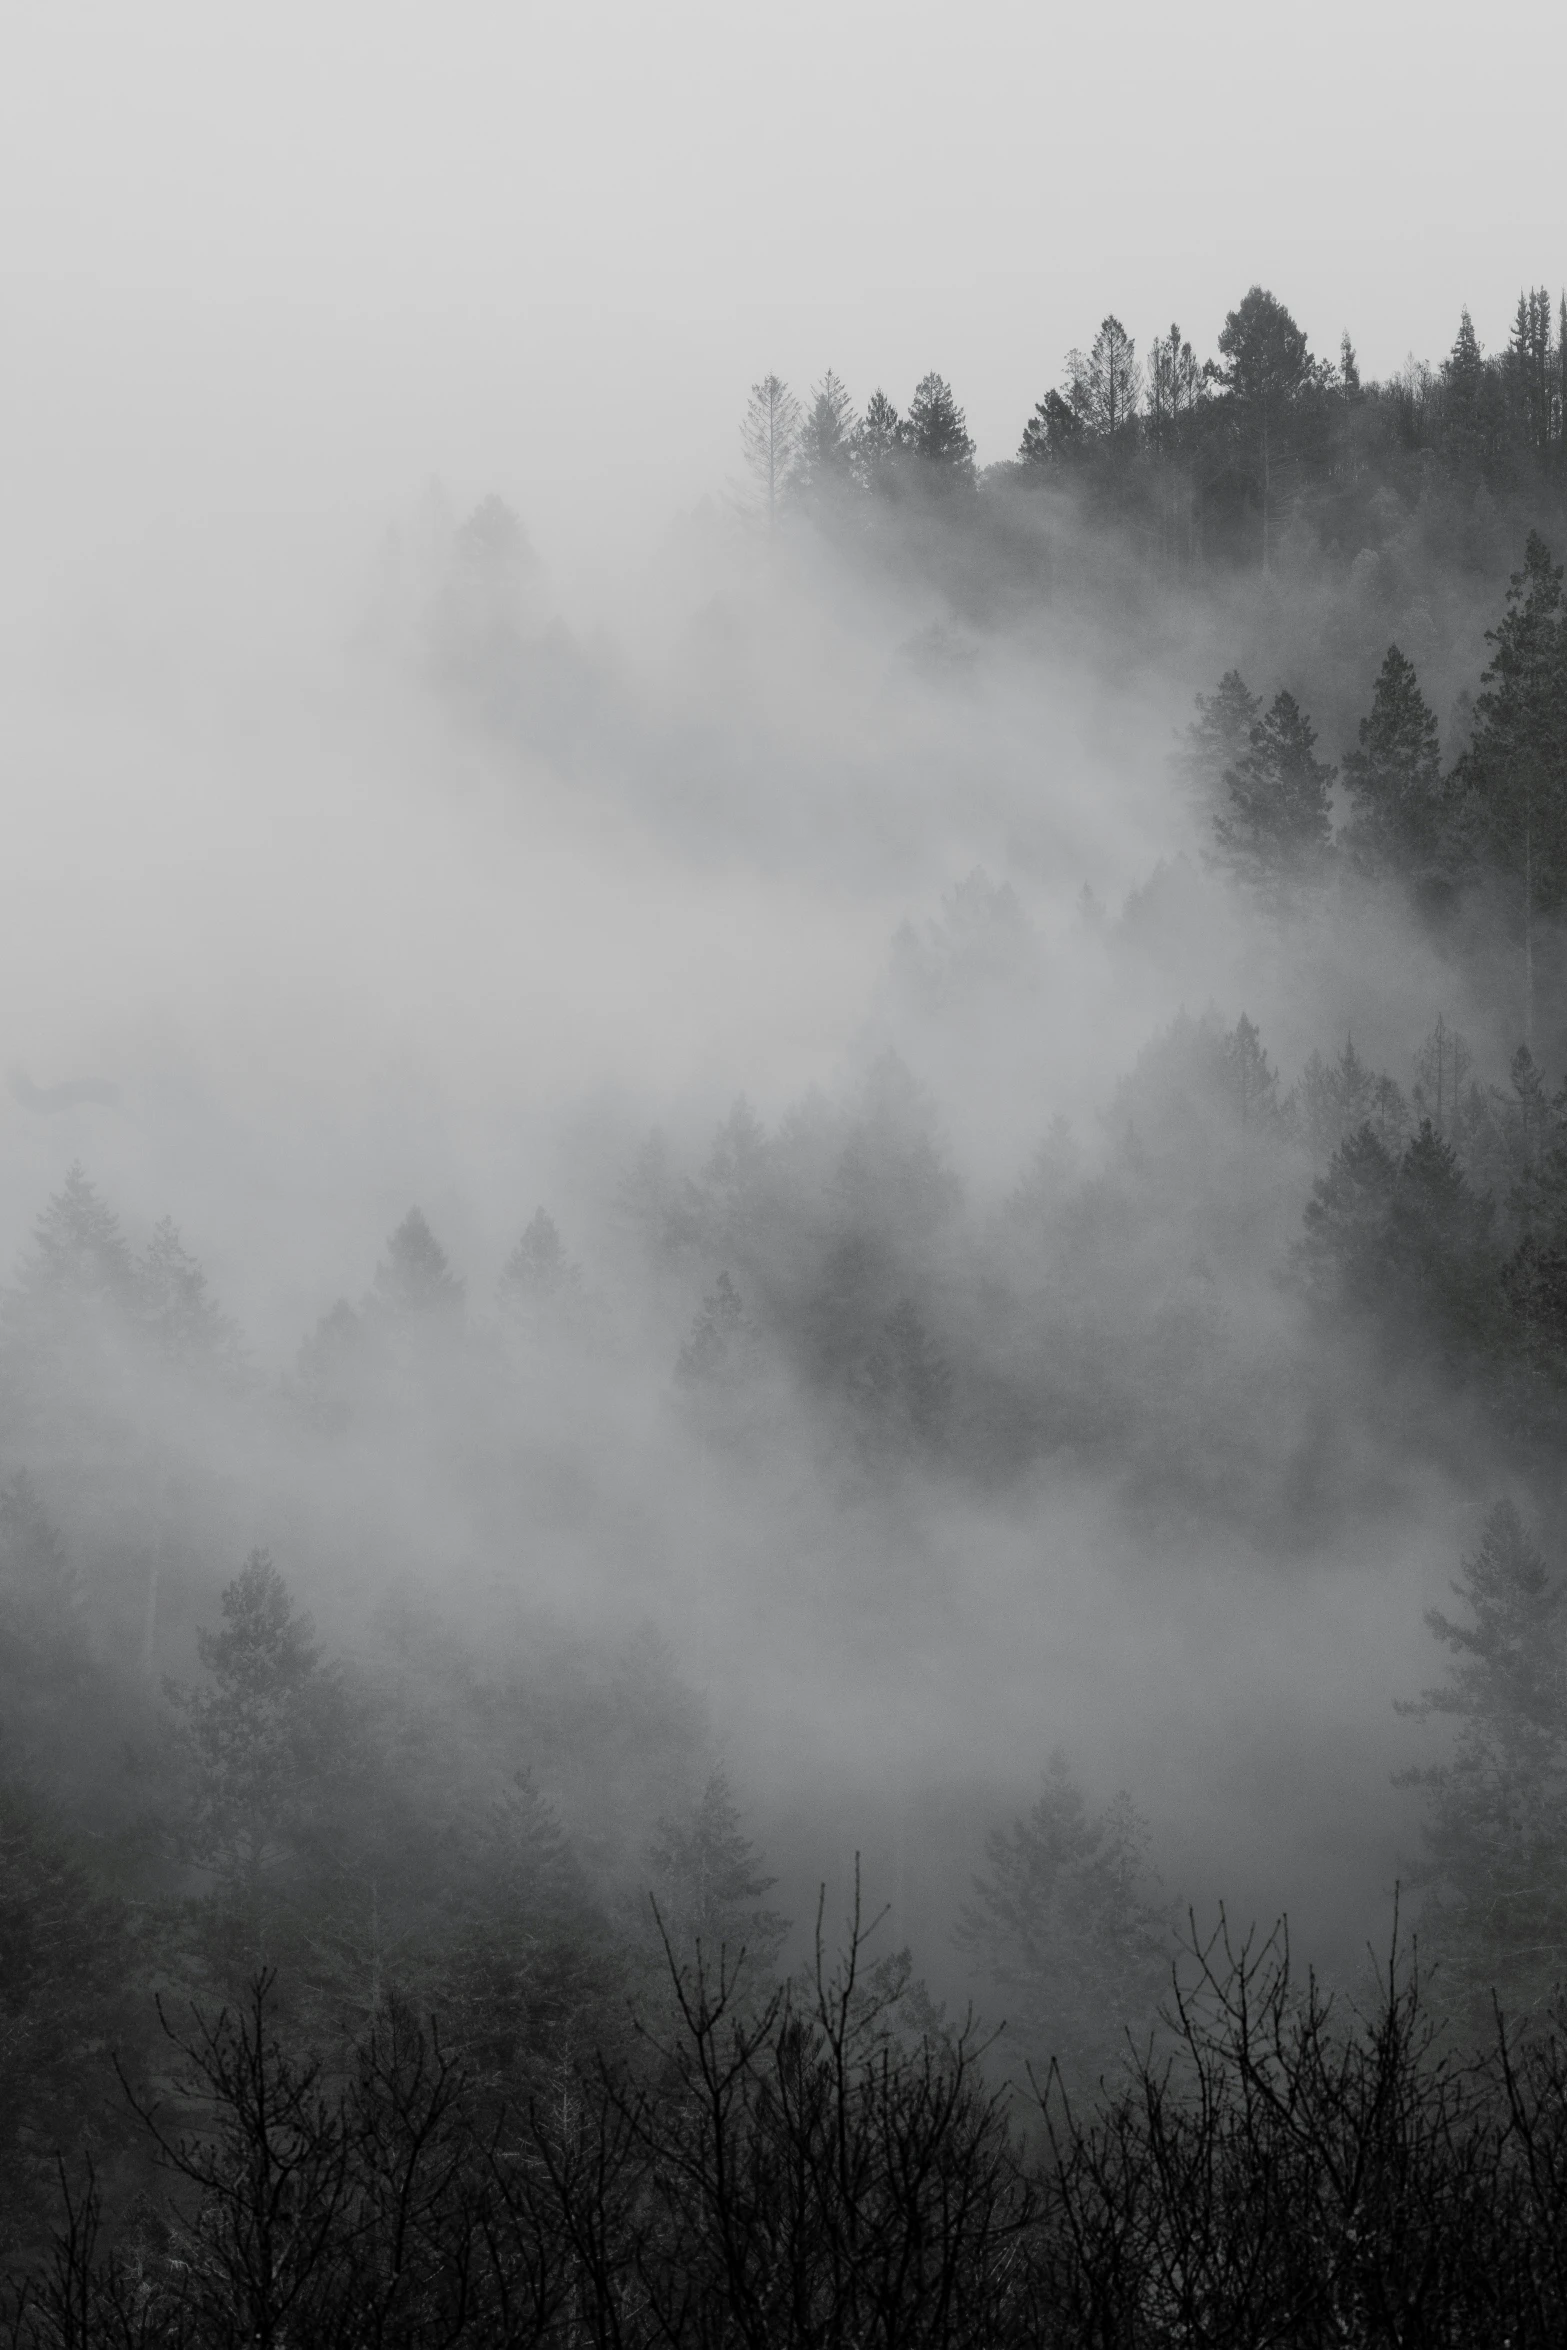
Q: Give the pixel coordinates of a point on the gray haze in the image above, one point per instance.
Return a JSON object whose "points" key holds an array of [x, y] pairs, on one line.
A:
{"points": [[311, 940]]}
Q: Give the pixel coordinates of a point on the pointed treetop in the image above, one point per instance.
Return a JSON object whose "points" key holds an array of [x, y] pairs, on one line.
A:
{"points": [[77, 1247], [414, 1276]]}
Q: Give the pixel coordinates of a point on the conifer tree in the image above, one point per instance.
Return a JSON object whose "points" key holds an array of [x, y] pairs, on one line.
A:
{"points": [[938, 434], [176, 1307], [710, 1350], [1531, 369], [1218, 738], [770, 438], [1175, 389], [1250, 1080], [258, 1740], [1403, 815], [78, 1256], [538, 1269], [414, 1277], [1067, 1926], [1276, 827], [1496, 1810], [825, 463], [1514, 772], [1464, 398], [710, 1887], [1267, 373], [1051, 433], [880, 438], [1105, 384], [1340, 1097]]}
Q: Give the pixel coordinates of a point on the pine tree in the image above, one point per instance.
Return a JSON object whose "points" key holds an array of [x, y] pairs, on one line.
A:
{"points": [[1249, 1078], [1514, 773], [78, 1256], [1403, 814], [1066, 1925], [176, 1308], [1441, 1067], [259, 1740], [1496, 1811], [1276, 826], [1464, 399], [1218, 738], [1267, 373], [770, 438], [538, 1270], [1530, 371], [880, 438], [1339, 1098], [825, 463], [1104, 386], [710, 1351], [710, 1887], [414, 1278], [938, 435], [1051, 434], [1175, 390]]}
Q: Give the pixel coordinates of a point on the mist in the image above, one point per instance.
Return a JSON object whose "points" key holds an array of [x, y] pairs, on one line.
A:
{"points": [[785, 1138]]}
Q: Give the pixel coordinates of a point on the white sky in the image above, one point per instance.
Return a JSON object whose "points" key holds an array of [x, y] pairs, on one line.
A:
{"points": [[298, 255]]}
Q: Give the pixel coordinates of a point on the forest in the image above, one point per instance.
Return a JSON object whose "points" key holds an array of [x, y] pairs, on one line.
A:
{"points": [[929, 1705]]}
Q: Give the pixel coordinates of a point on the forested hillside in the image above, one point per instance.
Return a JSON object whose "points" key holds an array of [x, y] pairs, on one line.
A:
{"points": [[1093, 1454]]}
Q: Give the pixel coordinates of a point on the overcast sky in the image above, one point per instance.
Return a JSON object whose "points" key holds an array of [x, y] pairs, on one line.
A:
{"points": [[284, 255]]}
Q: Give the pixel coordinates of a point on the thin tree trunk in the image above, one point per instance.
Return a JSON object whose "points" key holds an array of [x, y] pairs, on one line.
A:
{"points": [[1528, 932], [1266, 494]]}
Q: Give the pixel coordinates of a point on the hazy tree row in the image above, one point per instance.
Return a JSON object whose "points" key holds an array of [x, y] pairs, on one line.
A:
{"points": [[1199, 457]]}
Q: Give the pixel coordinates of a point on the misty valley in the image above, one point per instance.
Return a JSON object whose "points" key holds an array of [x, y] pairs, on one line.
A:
{"points": [[780, 1502]]}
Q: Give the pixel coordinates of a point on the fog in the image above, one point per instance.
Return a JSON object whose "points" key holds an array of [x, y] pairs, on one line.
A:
{"points": [[344, 931], [763, 1186]]}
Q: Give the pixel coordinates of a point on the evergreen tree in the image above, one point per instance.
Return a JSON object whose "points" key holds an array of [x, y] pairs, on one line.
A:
{"points": [[78, 1257], [711, 1349], [1403, 818], [825, 462], [1175, 389], [258, 1740], [1218, 738], [414, 1278], [880, 438], [1514, 772], [1343, 1254], [1531, 370], [523, 1968], [1464, 400], [1340, 1097], [710, 1887], [1268, 372], [1276, 826], [938, 435], [1104, 386], [1066, 1925], [1051, 433], [1407, 1241], [1496, 1810], [1250, 1081], [1441, 1067], [176, 1308], [538, 1269], [770, 438]]}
